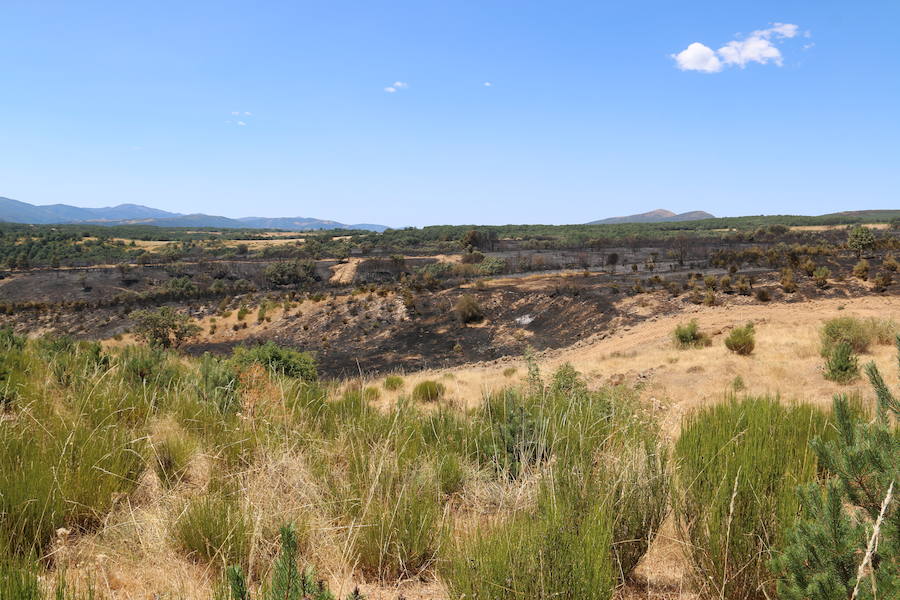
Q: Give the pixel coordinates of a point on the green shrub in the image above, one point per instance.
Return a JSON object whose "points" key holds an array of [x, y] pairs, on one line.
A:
{"points": [[218, 383], [597, 436], [851, 512], [788, 283], [739, 465], [861, 270], [428, 391], [393, 382], [214, 528], [467, 309], [286, 581], [146, 365], [859, 333], [688, 335], [561, 550], [882, 281], [400, 525], [163, 327], [62, 472], [821, 275], [278, 359], [741, 340], [170, 455], [842, 366]]}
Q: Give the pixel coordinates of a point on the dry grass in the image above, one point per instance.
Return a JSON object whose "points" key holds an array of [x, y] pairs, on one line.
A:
{"points": [[134, 553]]}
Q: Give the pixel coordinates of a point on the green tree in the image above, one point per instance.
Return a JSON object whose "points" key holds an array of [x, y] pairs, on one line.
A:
{"points": [[847, 543], [861, 239], [163, 327]]}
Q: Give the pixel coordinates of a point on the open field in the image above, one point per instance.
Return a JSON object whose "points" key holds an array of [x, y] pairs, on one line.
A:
{"points": [[419, 419]]}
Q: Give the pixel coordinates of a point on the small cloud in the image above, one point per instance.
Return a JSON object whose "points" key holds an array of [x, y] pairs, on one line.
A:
{"points": [[235, 113], [758, 47], [248, 114], [241, 123], [698, 57], [396, 86], [488, 84]]}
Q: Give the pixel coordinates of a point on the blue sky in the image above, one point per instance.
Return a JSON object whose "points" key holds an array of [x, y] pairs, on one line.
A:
{"points": [[592, 111]]}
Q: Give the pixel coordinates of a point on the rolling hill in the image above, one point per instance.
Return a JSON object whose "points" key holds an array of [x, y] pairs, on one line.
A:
{"points": [[660, 215], [15, 211]]}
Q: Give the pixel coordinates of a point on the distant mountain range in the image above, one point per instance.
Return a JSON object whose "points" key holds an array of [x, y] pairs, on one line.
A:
{"points": [[659, 215], [14, 211]]}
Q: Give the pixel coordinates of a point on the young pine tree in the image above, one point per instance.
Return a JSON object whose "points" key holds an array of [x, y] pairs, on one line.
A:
{"points": [[846, 546]]}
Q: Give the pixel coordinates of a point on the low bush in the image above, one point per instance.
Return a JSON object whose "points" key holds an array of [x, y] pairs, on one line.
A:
{"points": [[741, 340], [286, 581], [861, 269], [841, 365], [215, 529], [763, 295], [788, 283], [740, 463], [278, 359], [821, 275], [859, 333], [163, 327], [467, 309], [688, 335], [147, 365], [218, 383], [170, 454], [393, 382], [428, 391], [882, 281], [561, 550]]}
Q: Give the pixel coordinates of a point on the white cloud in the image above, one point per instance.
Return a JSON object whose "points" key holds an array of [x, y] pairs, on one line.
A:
{"points": [[241, 123], [248, 113], [698, 57], [235, 113], [488, 84], [758, 47], [397, 85]]}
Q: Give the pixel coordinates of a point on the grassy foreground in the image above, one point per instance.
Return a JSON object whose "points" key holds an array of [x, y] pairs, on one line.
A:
{"points": [[217, 456]]}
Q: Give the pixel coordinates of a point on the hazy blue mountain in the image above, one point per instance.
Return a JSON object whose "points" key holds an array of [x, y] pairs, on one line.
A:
{"points": [[14, 211], [659, 215]]}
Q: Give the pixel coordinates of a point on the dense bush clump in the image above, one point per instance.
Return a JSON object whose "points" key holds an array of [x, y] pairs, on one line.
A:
{"points": [[739, 465], [688, 335], [393, 382], [467, 309], [741, 340], [281, 360], [428, 391], [858, 333], [841, 365]]}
